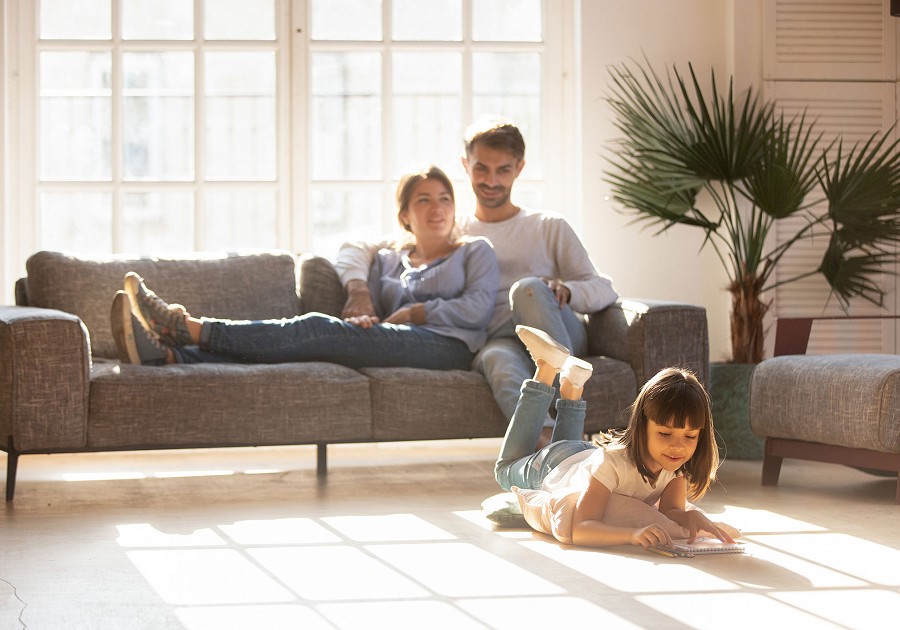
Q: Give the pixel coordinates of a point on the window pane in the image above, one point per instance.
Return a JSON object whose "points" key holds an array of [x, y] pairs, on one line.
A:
{"points": [[506, 20], [158, 97], [427, 110], [158, 222], [75, 128], [347, 213], [157, 19], [427, 20], [239, 19], [346, 19], [509, 85], [346, 120], [239, 219], [240, 116], [76, 222], [75, 19]]}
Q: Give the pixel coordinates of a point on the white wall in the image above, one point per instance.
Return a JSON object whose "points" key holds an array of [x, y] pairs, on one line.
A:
{"points": [[666, 266]]}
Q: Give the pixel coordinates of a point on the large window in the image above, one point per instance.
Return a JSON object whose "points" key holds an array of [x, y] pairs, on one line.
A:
{"points": [[166, 126]]}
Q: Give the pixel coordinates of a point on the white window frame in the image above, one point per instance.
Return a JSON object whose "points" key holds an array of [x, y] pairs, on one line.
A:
{"points": [[560, 123]]}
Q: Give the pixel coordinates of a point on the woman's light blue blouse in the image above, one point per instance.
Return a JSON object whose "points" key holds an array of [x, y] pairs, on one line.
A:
{"points": [[458, 290]]}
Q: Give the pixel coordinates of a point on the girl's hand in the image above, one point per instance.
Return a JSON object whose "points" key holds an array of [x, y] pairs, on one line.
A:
{"points": [[696, 521], [363, 321], [651, 536]]}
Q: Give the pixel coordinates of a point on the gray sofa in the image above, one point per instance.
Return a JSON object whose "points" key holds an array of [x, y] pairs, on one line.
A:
{"points": [[62, 389]]}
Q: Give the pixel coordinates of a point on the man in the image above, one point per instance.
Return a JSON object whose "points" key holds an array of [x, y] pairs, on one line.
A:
{"points": [[546, 275]]}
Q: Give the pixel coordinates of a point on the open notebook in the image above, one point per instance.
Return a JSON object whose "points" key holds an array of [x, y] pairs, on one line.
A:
{"points": [[700, 547]]}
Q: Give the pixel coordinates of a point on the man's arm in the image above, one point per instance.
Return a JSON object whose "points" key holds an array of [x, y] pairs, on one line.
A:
{"points": [[589, 290], [353, 263]]}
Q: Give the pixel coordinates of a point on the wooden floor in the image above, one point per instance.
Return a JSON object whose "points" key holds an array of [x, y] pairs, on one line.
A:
{"points": [[394, 538]]}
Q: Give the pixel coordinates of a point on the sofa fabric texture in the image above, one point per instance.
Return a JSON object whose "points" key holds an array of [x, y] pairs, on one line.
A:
{"points": [[62, 388], [850, 400]]}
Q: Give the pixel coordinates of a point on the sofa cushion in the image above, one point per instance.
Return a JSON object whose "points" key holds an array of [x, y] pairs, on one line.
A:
{"points": [[227, 404], [840, 399], [251, 286], [416, 404]]}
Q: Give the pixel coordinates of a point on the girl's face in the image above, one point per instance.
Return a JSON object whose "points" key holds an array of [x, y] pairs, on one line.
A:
{"points": [[431, 210], [669, 448]]}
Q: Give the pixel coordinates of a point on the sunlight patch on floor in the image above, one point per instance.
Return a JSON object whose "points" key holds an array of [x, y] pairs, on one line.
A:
{"points": [[566, 612], [270, 617], [280, 531], [462, 570], [387, 528], [145, 535], [336, 573], [704, 611], [619, 569], [856, 608], [207, 576]]}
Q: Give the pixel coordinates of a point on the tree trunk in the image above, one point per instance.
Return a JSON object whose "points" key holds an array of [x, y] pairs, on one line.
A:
{"points": [[747, 313]]}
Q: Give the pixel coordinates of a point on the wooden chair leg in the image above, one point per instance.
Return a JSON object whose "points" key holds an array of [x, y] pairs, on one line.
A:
{"points": [[771, 467], [12, 465]]}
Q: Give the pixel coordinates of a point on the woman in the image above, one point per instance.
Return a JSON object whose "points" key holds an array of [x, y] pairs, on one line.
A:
{"points": [[434, 295]]}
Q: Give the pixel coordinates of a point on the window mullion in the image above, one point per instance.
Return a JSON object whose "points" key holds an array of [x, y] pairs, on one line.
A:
{"points": [[117, 131], [199, 130], [387, 108]]}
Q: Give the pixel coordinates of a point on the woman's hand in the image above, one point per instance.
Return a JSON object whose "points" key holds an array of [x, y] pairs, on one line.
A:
{"points": [[363, 321], [400, 316], [651, 536]]}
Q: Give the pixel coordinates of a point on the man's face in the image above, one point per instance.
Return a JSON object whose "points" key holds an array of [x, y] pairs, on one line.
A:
{"points": [[492, 173]]}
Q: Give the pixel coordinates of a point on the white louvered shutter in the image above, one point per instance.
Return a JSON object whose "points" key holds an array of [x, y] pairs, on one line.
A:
{"points": [[837, 60]]}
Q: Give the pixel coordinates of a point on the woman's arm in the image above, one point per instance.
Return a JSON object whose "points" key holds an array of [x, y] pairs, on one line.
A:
{"points": [[589, 530], [672, 503], [473, 308]]}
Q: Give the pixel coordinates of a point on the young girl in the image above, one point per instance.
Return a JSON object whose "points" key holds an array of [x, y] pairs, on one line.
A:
{"points": [[666, 455]]}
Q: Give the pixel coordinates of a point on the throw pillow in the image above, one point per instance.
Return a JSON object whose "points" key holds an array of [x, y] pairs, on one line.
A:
{"points": [[503, 509]]}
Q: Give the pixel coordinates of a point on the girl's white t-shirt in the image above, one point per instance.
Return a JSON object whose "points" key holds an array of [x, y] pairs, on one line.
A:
{"points": [[611, 466]]}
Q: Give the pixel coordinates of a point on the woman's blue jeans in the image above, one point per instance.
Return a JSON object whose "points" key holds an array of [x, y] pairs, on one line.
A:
{"points": [[518, 464], [318, 337]]}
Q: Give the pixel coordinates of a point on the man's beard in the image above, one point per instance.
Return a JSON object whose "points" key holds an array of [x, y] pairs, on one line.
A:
{"points": [[493, 201]]}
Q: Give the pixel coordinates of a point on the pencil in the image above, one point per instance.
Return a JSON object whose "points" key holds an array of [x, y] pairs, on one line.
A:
{"points": [[662, 552]]}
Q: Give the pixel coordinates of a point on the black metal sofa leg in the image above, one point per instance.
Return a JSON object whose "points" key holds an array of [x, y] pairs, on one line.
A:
{"points": [[321, 460]]}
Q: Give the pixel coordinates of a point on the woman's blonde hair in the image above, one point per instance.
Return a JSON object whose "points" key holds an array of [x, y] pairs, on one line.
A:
{"points": [[405, 190], [675, 398]]}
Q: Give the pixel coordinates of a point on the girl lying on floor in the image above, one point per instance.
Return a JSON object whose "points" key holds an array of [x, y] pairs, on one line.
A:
{"points": [[632, 490]]}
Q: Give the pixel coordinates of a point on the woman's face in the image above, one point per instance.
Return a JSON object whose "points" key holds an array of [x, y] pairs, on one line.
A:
{"points": [[431, 212]]}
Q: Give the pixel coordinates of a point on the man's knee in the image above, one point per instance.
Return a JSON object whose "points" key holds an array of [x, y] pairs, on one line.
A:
{"points": [[526, 289]]}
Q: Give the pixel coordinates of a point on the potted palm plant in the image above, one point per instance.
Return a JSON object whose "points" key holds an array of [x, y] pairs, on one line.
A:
{"points": [[733, 167]]}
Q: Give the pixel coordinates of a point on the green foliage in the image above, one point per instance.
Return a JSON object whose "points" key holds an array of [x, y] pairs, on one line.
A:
{"points": [[679, 141]]}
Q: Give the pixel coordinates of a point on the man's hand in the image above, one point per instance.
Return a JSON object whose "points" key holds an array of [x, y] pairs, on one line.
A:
{"points": [[560, 291], [359, 301]]}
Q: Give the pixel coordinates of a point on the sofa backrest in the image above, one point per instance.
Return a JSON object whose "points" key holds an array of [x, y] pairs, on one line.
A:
{"points": [[260, 285]]}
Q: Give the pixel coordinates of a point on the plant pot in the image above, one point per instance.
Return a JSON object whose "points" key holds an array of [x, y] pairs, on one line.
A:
{"points": [[729, 391]]}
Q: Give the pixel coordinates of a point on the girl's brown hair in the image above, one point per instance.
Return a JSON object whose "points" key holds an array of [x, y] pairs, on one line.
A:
{"points": [[675, 398]]}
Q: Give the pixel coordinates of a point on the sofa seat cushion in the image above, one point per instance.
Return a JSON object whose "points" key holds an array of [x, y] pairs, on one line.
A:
{"points": [[207, 405], [843, 399], [417, 404], [252, 286]]}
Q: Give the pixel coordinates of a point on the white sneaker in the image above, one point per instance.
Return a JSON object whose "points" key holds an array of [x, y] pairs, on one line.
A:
{"points": [[576, 371], [542, 346]]}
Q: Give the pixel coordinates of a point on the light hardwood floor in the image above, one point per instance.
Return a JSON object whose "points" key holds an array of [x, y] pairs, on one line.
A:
{"points": [[247, 538]]}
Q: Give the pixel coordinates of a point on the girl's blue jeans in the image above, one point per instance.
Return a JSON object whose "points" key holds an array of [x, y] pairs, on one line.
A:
{"points": [[518, 464], [318, 337]]}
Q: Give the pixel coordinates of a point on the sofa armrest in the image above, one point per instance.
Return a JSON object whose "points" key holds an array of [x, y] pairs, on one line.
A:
{"points": [[651, 335], [45, 365], [319, 286]]}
